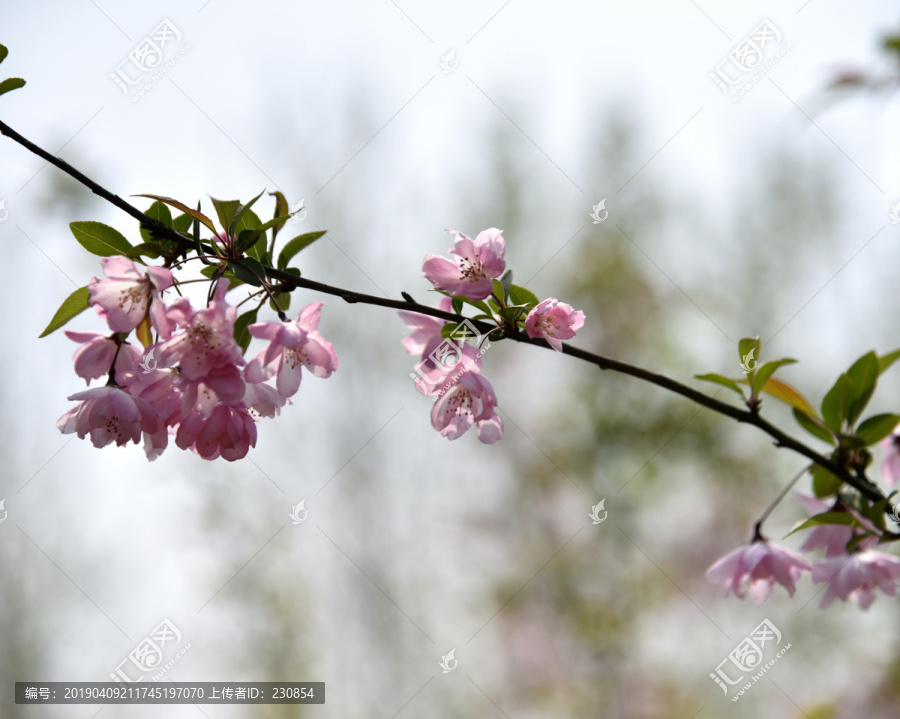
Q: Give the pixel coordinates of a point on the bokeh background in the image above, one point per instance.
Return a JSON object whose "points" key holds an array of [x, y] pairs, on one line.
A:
{"points": [[768, 215]]}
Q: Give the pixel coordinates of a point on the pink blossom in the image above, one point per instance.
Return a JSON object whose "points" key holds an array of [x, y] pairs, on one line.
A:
{"points": [[443, 368], [292, 345], [857, 577], [95, 356], [426, 330], [477, 262], [471, 400], [554, 321], [833, 537], [263, 400], [229, 431], [890, 465], [759, 565], [108, 414], [205, 351], [126, 295]]}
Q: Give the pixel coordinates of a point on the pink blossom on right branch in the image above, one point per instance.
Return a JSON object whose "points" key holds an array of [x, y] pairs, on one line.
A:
{"points": [[756, 568], [856, 577], [554, 321]]}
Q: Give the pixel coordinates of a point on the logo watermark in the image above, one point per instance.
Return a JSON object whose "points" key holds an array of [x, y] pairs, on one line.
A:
{"points": [[149, 57], [449, 661], [300, 209], [449, 62], [895, 513], [3, 510], [748, 363], [449, 356], [148, 361], [748, 656], [895, 213], [148, 655], [3, 212], [298, 512], [746, 64], [595, 512], [597, 209]]}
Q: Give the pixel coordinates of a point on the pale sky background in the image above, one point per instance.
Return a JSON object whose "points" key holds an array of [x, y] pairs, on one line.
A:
{"points": [[345, 104]]}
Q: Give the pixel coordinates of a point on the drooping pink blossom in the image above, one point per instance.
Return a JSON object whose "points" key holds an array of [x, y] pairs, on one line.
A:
{"points": [[890, 464], [425, 330], [229, 431], [856, 577], [292, 346], [126, 295], [554, 321], [438, 372], [205, 350], [833, 537], [108, 414], [95, 356], [757, 567], [477, 262], [263, 400], [470, 400]]}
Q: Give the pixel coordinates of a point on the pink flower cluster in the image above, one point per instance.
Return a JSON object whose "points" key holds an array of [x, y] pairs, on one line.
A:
{"points": [[193, 383], [450, 369], [758, 566]]}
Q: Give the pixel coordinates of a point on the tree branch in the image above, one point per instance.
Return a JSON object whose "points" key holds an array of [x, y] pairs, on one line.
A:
{"points": [[857, 481]]}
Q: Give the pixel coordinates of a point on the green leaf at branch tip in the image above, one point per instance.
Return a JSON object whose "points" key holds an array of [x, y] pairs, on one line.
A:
{"points": [[196, 214], [722, 380], [100, 239], [836, 403], [249, 270], [824, 483], [241, 335], [12, 83], [815, 426], [498, 293], [225, 211], [876, 428], [521, 296], [4, 51], [234, 227], [749, 349], [767, 370], [885, 361], [296, 245], [844, 518], [864, 375], [72, 306], [281, 209]]}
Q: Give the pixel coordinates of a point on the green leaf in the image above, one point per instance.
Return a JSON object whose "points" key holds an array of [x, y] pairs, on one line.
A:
{"points": [[234, 227], [295, 245], [281, 209], [815, 426], [145, 249], [250, 221], [864, 375], [12, 83], [824, 483], [459, 332], [73, 305], [210, 272], [748, 350], [196, 214], [247, 239], [876, 428], [498, 292], [244, 270], [160, 212], [786, 393], [3, 52], [241, 335], [100, 239], [722, 380], [844, 518], [521, 296], [836, 403], [284, 301], [506, 282], [182, 223], [767, 370], [225, 211], [457, 305], [885, 361], [511, 313]]}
